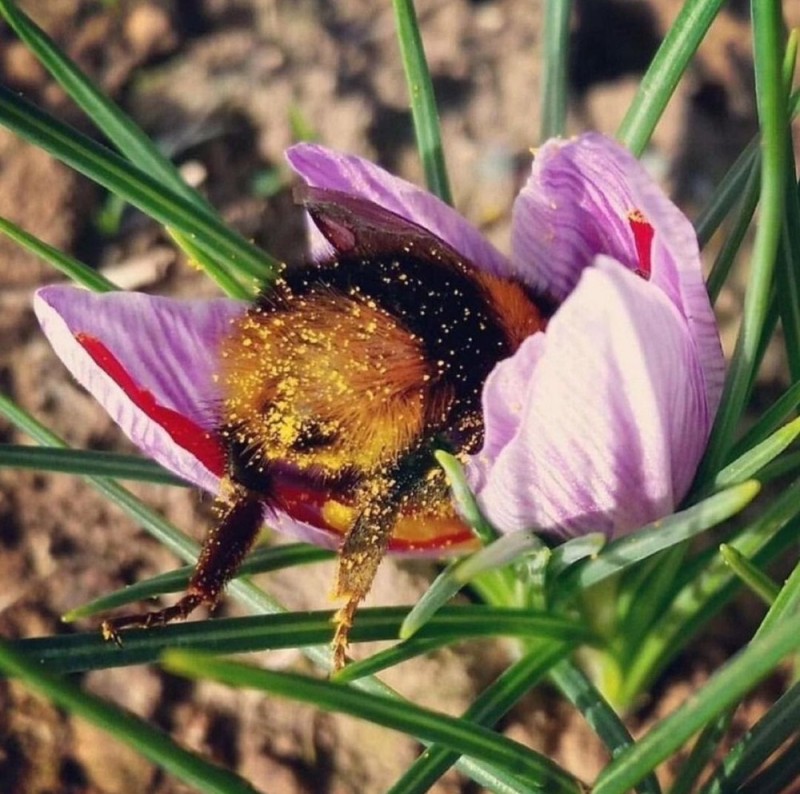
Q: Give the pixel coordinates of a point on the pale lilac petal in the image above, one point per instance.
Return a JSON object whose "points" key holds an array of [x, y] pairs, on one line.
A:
{"points": [[321, 167], [574, 206], [577, 203], [505, 395], [614, 421], [166, 346], [301, 530]]}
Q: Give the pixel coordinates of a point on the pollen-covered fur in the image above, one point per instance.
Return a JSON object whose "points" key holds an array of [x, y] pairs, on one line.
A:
{"points": [[325, 380]]}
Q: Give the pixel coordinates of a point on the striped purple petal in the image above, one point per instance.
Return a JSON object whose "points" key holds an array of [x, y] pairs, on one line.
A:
{"points": [[609, 420], [150, 362], [590, 196]]}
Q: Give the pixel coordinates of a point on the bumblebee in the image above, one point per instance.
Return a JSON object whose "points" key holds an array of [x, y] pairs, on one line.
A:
{"points": [[339, 384]]}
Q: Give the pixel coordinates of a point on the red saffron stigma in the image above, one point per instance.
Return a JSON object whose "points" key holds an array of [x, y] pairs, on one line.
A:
{"points": [[643, 239]]}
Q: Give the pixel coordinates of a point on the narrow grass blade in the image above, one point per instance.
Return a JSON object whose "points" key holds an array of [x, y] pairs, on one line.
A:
{"points": [[784, 466], [786, 604], [228, 283], [723, 262], [625, 552], [464, 498], [89, 651], [489, 707], [777, 726], [702, 752], [497, 587], [458, 735], [555, 46], [665, 70], [86, 462], [108, 219], [391, 657], [732, 185], [258, 561], [705, 584], [645, 593], [721, 692], [118, 175], [152, 743], [423, 101], [753, 577], [79, 272], [464, 621], [565, 555], [729, 192], [777, 777], [742, 181], [765, 337], [768, 48], [758, 456], [788, 286], [506, 550], [574, 684], [78, 652], [770, 420]]}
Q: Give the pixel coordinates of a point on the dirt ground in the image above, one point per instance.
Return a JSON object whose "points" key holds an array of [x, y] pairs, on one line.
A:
{"points": [[223, 85]]}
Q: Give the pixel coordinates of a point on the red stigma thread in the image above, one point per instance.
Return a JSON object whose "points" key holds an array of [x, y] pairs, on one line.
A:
{"points": [[643, 240]]}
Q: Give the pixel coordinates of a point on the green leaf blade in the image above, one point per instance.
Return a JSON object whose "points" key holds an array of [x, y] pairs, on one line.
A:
{"points": [[538, 771], [79, 272], [665, 70], [153, 744], [423, 101], [722, 691]]}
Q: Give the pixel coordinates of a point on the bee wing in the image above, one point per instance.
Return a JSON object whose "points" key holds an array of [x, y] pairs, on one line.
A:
{"points": [[357, 227]]}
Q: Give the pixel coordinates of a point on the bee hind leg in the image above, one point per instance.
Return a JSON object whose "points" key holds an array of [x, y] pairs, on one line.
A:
{"points": [[359, 558], [225, 546]]}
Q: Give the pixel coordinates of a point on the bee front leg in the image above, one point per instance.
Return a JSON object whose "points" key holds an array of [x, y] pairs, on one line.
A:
{"points": [[225, 546]]}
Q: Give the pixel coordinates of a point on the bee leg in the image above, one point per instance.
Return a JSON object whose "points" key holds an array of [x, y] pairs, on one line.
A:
{"points": [[359, 557], [382, 496], [225, 546]]}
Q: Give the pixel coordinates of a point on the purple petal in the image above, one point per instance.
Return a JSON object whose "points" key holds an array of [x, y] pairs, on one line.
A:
{"points": [[150, 362], [301, 530], [578, 203], [614, 422], [321, 167], [505, 394]]}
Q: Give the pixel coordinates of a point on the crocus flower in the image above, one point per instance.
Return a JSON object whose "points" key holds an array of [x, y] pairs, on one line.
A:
{"points": [[597, 423]]}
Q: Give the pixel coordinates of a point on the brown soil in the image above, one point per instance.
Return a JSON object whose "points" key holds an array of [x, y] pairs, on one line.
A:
{"points": [[217, 82]]}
